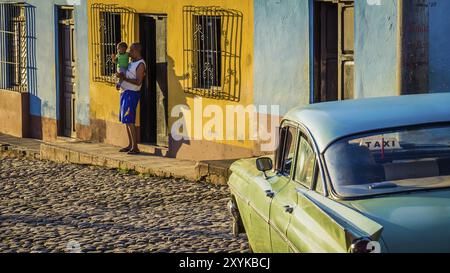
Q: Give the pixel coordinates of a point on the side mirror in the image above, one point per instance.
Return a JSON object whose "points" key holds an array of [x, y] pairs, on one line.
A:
{"points": [[264, 164]]}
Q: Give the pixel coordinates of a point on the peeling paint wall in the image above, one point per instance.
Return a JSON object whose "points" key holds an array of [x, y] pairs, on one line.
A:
{"points": [[281, 68], [376, 60]]}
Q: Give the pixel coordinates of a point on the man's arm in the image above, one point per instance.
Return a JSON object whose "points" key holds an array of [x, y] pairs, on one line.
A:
{"points": [[140, 75], [114, 58]]}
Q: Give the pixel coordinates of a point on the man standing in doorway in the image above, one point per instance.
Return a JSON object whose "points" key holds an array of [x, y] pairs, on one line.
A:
{"points": [[131, 83]]}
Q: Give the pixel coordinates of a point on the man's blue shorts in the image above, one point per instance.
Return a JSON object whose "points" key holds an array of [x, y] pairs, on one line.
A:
{"points": [[128, 104]]}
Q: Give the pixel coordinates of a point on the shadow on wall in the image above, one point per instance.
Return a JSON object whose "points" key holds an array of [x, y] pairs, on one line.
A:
{"points": [[35, 125], [18, 47], [211, 63], [176, 91], [212, 38]]}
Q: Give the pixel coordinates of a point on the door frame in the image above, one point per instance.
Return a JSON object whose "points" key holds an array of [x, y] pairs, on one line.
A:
{"points": [[154, 139], [342, 56]]}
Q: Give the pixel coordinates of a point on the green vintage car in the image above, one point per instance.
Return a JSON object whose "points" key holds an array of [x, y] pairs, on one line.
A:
{"points": [[359, 176]]}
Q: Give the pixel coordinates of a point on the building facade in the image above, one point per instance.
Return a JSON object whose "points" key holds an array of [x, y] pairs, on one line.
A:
{"points": [[193, 49], [40, 79], [218, 70]]}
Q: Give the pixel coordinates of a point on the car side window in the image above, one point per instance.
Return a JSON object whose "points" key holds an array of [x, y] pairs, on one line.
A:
{"points": [[286, 151], [319, 182], [306, 162]]}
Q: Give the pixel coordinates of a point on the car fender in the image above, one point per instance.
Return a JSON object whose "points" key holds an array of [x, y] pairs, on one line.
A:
{"points": [[349, 221]]}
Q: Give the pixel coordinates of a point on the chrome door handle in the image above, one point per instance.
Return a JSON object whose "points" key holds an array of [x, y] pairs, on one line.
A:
{"points": [[270, 194], [288, 209]]}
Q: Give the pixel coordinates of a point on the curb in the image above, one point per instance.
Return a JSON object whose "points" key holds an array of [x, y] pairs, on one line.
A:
{"points": [[210, 172], [213, 173], [64, 155], [17, 151]]}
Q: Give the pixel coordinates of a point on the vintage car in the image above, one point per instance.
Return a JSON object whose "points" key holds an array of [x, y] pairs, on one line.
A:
{"points": [[360, 176]]}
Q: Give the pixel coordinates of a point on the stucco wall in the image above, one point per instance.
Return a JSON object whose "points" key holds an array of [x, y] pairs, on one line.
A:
{"points": [[14, 115], [282, 51], [104, 103], [42, 57], [439, 45], [376, 62], [281, 68]]}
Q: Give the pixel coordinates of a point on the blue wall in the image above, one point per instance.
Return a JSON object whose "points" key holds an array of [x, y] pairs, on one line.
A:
{"points": [[376, 62], [281, 68], [282, 51], [439, 46], [42, 59]]}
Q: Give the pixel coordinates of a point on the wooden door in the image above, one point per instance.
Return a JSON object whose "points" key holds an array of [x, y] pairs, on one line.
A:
{"points": [[162, 132], [346, 48], [154, 99], [334, 50], [67, 72], [326, 52]]}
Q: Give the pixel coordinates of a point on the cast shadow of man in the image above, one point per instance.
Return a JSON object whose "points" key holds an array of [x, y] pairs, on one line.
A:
{"points": [[177, 98]]}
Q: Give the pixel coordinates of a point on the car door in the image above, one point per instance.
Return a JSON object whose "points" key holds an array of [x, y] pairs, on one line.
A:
{"points": [[264, 190], [311, 229], [285, 201]]}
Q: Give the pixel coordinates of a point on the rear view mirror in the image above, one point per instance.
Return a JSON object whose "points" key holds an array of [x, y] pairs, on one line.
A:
{"points": [[264, 164]]}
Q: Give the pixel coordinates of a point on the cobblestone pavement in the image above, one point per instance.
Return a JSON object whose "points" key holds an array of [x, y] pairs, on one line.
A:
{"points": [[49, 207]]}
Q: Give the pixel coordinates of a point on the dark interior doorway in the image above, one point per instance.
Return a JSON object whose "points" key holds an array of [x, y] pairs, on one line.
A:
{"points": [[154, 99], [66, 71], [325, 51]]}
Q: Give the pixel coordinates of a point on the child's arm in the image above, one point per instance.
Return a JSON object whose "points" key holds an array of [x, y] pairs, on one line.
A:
{"points": [[114, 58]]}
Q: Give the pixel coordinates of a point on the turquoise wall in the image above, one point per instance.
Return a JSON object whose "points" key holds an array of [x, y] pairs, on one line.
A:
{"points": [[376, 62], [42, 59], [439, 45], [282, 69], [281, 49]]}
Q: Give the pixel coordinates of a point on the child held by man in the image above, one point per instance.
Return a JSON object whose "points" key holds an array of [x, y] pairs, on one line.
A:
{"points": [[122, 59]]}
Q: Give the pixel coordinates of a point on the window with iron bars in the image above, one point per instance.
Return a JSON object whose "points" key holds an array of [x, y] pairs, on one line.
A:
{"points": [[13, 47], [212, 49], [207, 56], [110, 25]]}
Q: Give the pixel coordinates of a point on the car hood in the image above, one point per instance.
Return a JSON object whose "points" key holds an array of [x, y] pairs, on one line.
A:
{"points": [[412, 222]]}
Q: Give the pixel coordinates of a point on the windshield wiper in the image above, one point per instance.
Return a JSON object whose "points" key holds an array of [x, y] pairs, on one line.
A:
{"points": [[383, 185]]}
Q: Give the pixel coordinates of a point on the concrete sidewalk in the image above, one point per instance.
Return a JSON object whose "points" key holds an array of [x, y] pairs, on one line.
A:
{"points": [[86, 153]]}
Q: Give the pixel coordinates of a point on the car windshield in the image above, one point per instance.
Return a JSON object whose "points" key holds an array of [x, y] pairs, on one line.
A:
{"points": [[408, 159]]}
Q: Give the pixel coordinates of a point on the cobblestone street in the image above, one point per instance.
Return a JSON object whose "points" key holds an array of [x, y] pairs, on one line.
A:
{"points": [[49, 207]]}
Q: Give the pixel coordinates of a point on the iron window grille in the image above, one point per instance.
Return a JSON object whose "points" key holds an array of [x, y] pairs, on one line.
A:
{"points": [[14, 42], [212, 45], [110, 25]]}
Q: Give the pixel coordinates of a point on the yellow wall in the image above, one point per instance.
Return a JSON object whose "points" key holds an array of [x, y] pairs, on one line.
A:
{"points": [[104, 99]]}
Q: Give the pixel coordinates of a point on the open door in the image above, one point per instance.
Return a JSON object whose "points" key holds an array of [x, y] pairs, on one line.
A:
{"points": [[326, 51], [346, 48], [333, 50], [67, 71], [154, 99]]}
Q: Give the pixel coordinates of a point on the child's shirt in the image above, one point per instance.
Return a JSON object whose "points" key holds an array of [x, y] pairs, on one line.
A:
{"points": [[122, 60]]}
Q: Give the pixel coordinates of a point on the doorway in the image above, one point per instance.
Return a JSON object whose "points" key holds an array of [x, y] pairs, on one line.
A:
{"points": [[154, 92], [325, 51], [333, 50], [66, 71]]}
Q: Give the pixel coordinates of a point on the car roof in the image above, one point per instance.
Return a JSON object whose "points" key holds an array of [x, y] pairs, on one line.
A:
{"points": [[328, 122]]}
